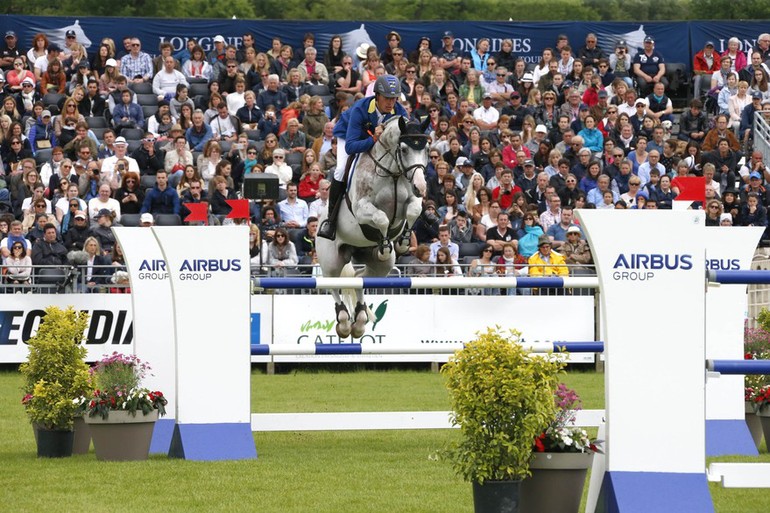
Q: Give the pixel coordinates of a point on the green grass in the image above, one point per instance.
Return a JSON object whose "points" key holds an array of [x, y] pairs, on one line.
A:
{"points": [[335, 472]]}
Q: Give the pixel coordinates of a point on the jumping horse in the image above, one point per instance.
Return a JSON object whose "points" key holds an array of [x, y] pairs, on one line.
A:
{"points": [[383, 200]]}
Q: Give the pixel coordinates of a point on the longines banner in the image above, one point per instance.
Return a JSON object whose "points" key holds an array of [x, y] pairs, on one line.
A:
{"points": [[678, 41]]}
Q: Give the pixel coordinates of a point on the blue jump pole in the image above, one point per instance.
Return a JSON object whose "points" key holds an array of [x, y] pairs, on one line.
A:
{"points": [[740, 277], [347, 349], [739, 367]]}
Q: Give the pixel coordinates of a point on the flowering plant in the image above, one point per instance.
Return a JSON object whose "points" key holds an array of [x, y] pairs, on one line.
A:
{"points": [[561, 435], [761, 397], [117, 386], [756, 345]]}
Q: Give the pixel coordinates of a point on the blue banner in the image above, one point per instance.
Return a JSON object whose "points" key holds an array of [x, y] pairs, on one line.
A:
{"points": [[677, 41]]}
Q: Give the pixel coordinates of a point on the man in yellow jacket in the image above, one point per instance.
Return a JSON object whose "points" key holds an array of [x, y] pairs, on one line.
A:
{"points": [[546, 262]]}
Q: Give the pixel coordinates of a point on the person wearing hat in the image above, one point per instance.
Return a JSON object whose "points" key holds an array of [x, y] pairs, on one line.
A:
{"points": [[755, 186], [649, 67], [217, 54], [10, 51], [357, 130], [746, 127], [394, 41], [705, 63], [546, 262], [486, 115], [42, 135], [76, 230], [516, 112], [448, 57], [146, 220]]}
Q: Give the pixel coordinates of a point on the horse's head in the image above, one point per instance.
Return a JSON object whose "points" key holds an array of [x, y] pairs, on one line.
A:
{"points": [[408, 145]]}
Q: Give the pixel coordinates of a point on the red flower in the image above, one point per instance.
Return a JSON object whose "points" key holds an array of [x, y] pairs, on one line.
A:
{"points": [[539, 447]]}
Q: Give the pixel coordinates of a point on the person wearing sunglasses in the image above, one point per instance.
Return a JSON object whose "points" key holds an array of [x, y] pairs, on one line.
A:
{"points": [[18, 265]]}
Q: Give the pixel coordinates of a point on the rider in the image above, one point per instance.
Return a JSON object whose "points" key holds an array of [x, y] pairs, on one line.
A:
{"points": [[357, 130]]}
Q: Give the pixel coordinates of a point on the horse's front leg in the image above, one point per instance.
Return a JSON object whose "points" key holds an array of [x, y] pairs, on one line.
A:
{"points": [[413, 211], [370, 214]]}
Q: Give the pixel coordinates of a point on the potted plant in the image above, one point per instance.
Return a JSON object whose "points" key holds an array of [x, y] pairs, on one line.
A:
{"points": [[55, 375], [120, 412], [756, 345], [501, 397], [561, 457]]}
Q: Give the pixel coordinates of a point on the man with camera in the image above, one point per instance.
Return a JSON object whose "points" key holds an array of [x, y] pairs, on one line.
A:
{"points": [[108, 164]]}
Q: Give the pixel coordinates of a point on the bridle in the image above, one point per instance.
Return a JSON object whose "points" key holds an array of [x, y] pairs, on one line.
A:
{"points": [[416, 142]]}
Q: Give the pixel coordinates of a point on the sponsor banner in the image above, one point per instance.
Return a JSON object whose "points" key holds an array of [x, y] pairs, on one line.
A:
{"points": [[153, 315], [677, 41], [653, 311], [726, 306], [210, 284], [110, 325], [431, 320]]}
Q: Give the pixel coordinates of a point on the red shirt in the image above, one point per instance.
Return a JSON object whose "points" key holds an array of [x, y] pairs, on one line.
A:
{"points": [[504, 198]]}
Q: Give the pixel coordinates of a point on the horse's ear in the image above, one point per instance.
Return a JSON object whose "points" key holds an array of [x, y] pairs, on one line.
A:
{"points": [[402, 124]]}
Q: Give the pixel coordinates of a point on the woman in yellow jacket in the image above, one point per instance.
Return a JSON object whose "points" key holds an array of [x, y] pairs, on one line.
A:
{"points": [[546, 262]]}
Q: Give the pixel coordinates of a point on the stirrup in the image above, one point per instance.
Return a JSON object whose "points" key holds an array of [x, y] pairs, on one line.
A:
{"points": [[327, 231]]}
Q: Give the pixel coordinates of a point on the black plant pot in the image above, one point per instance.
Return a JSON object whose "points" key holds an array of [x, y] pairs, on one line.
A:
{"points": [[54, 443], [496, 497]]}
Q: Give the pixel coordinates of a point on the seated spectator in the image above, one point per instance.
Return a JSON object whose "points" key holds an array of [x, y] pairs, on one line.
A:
{"points": [[165, 81], [104, 201], [307, 239], [161, 199], [194, 193], [130, 195], [446, 264], [147, 158], [102, 231], [199, 133], [444, 241], [705, 63], [693, 123], [49, 251], [720, 131], [18, 265], [649, 67], [127, 114], [281, 252], [77, 233], [96, 268], [753, 213]]}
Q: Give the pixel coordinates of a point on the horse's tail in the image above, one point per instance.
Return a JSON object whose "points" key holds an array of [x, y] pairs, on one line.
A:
{"points": [[349, 295]]}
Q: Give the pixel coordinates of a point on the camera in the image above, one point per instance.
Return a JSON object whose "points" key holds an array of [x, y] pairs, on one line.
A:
{"points": [[121, 167]]}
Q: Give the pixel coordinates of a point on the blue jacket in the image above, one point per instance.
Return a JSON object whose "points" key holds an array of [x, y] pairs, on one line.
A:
{"points": [[131, 111], [198, 140], [358, 121], [593, 139], [161, 202]]}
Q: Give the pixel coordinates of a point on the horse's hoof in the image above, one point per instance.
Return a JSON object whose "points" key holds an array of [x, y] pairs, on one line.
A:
{"points": [[358, 330], [343, 329]]}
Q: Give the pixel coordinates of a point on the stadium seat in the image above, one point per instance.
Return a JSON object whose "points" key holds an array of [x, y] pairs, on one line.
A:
{"points": [[167, 220], [149, 110], [50, 279], [43, 156], [253, 135], [225, 146], [132, 134], [472, 249], [147, 181], [141, 87], [99, 132], [52, 99], [130, 220], [198, 89], [133, 146], [318, 90], [97, 122], [146, 99], [293, 158]]}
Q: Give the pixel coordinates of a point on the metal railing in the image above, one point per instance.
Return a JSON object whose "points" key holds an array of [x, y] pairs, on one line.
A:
{"points": [[761, 136]]}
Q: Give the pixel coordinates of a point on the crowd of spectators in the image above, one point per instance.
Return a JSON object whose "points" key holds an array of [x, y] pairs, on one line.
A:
{"points": [[86, 140]]}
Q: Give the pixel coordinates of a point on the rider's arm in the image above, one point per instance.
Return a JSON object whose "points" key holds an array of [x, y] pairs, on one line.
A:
{"points": [[359, 137]]}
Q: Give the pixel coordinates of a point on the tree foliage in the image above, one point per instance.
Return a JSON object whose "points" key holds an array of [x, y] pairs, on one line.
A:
{"points": [[405, 10]]}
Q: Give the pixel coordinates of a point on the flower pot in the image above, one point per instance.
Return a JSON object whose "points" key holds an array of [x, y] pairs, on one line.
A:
{"points": [[754, 424], [54, 443], [764, 419], [565, 472], [122, 436], [82, 440], [496, 497], [82, 437]]}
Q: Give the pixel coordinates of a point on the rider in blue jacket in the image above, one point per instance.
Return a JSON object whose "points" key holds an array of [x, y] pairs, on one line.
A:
{"points": [[356, 131]]}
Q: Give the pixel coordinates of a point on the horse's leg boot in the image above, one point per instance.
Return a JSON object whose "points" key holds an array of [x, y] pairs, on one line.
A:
{"points": [[328, 229]]}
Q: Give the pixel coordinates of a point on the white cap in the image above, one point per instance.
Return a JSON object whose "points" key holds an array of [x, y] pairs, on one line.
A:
{"points": [[573, 229], [146, 218], [111, 62], [219, 39], [541, 128], [120, 140], [462, 161], [28, 81]]}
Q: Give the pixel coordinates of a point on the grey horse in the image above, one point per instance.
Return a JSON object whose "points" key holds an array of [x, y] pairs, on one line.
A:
{"points": [[383, 200]]}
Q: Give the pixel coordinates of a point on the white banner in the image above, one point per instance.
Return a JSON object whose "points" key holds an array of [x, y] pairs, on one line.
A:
{"points": [[653, 310], [210, 279], [109, 327], [422, 320]]}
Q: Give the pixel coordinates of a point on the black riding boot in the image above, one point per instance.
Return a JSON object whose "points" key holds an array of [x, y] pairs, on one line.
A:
{"points": [[328, 229]]}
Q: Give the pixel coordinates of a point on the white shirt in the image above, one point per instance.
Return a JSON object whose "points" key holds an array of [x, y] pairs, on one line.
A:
{"points": [[317, 207], [64, 204], [95, 205], [235, 101], [222, 127], [108, 166], [28, 203], [164, 83], [490, 115], [283, 173]]}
